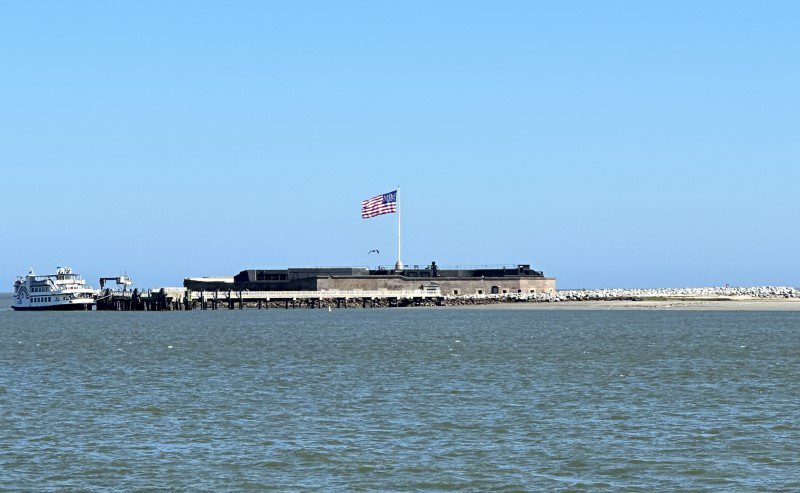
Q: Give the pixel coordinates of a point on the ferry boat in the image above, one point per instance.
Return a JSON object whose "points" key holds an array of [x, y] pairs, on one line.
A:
{"points": [[63, 290]]}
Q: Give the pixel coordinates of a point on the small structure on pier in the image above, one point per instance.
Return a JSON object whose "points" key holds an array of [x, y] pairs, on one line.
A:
{"points": [[123, 282]]}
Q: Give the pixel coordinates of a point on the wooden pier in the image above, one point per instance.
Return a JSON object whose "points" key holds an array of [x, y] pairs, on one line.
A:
{"points": [[163, 299]]}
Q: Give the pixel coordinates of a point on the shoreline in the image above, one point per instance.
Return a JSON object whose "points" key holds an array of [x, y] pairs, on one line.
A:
{"points": [[675, 303], [750, 305]]}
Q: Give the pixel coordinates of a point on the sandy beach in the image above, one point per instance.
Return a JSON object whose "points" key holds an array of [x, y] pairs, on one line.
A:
{"points": [[698, 305]]}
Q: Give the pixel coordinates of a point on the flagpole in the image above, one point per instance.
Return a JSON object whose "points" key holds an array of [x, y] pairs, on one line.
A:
{"points": [[399, 264]]}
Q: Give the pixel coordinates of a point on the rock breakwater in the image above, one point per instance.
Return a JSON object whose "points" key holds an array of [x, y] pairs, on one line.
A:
{"points": [[707, 293]]}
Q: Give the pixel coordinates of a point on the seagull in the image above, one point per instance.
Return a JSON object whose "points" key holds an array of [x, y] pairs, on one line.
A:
{"points": [[376, 251]]}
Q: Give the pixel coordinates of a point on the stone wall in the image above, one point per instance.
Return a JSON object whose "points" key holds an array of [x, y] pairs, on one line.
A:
{"points": [[366, 283], [448, 285], [546, 285], [497, 285]]}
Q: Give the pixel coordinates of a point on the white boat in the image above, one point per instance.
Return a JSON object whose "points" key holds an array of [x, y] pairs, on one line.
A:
{"points": [[63, 290]]}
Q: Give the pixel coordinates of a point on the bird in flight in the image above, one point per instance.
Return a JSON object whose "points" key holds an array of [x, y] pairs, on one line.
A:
{"points": [[375, 251]]}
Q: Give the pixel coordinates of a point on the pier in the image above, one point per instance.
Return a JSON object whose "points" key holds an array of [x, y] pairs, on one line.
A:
{"points": [[160, 299], [166, 299]]}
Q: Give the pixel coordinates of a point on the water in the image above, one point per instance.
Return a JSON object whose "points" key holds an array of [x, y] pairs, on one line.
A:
{"points": [[400, 399]]}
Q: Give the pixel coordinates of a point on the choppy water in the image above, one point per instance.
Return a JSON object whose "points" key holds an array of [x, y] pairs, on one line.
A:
{"points": [[400, 399]]}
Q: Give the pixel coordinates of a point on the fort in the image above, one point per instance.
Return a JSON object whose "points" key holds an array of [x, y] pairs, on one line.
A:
{"points": [[340, 287], [457, 280]]}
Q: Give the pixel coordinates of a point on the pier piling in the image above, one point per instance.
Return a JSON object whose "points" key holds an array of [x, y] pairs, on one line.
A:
{"points": [[174, 299]]}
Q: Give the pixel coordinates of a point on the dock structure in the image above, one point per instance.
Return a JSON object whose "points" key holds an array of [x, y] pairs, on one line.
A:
{"points": [[164, 299], [158, 299], [213, 300]]}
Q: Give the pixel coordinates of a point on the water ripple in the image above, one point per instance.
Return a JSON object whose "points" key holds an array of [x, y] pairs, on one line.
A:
{"points": [[430, 399]]}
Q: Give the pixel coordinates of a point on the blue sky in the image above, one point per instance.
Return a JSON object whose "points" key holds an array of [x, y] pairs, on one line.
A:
{"points": [[611, 144]]}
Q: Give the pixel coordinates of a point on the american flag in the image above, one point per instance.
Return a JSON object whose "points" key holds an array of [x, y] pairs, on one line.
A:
{"points": [[381, 204]]}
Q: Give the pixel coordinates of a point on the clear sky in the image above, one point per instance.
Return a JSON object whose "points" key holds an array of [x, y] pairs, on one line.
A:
{"points": [[611, 144]]}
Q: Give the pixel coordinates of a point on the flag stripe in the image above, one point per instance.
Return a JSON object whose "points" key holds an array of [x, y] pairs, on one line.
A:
{"points": [[381, 204]]}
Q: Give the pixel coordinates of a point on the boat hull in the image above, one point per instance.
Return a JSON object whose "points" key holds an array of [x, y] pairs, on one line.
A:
{"points": [[72, 307]]}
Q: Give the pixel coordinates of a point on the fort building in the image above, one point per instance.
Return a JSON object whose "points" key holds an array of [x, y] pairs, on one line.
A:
{"points": [[472, 280]]}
